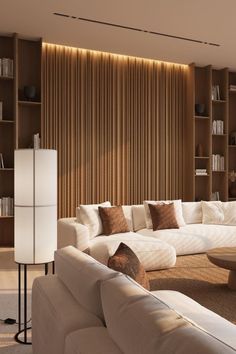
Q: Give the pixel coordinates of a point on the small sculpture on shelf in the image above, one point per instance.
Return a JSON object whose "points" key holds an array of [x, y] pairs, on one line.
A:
{"points": [[232, 184], [30, 93], [232, 138], [199, 150], [200, 109]]}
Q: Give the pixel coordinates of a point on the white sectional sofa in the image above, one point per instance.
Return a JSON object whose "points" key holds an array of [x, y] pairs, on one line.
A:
{"points": [[87, 308], [155, 249]]}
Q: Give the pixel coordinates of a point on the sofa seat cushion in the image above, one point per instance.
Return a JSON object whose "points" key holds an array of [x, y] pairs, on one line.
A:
{"points": [[142, 323], [82, 275], [55, 313], [91, 341], [212, 323], [195, 238], [152, 253]]}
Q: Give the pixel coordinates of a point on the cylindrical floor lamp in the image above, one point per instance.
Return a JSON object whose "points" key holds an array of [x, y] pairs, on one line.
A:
{"points": [[35, 215]]}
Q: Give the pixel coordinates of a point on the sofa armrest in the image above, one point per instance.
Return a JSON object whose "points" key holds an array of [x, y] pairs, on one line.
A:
{"points": [[70, 232]]}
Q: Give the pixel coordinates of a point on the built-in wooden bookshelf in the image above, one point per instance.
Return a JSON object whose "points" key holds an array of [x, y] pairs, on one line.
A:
{"points": [[21, 118], [220, 112]]}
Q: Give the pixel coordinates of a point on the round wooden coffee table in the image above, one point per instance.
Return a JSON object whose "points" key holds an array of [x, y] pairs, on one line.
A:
{"points": [[225, 257]]}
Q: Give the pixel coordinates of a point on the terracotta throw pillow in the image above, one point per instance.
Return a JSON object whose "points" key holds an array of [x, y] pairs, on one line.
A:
{"points": [[125, 261], [163, 216], [113, 220]]}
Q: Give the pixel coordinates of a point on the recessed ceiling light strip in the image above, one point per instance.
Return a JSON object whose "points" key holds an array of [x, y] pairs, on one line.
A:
{"points": [[135, 29]]}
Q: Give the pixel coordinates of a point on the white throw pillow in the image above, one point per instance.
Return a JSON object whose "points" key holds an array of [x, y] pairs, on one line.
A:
{"points": [[138, 214], [229, 209], [192, 212], [212, 212], [178, 211], [127, 210], [89, 216]]}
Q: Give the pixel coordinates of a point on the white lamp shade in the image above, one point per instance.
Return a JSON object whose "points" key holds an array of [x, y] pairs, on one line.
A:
{"points": [[35, 206]]}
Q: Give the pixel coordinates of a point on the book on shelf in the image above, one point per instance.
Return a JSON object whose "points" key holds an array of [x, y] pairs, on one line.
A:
{"points": [[7, 69], [201, 172], [215, 93], [218, 162], [232, 87], [215, 196], [217, 127], [36, 139], [1, 161], [6, 206], [0, 110]]}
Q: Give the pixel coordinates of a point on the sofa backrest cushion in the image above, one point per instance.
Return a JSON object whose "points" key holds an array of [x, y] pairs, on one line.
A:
{"points": [[88, 215], [141, 323], [127, 210], [192, 212], [82, 275], [138, 216], [217, 212]]}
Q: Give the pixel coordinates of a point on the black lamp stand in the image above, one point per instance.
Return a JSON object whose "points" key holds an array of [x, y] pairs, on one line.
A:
{"points": [[25, 328]]}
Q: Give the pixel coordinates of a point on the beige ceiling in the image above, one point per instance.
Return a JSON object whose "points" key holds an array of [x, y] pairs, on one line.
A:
{"points": [[205, 20]]}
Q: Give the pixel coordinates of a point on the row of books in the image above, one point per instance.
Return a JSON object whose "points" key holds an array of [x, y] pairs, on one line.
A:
{"points": [[6, 67], [218, 127], [215, 93], [6, 206], [232, 87], [201, 172], [218, 162]]}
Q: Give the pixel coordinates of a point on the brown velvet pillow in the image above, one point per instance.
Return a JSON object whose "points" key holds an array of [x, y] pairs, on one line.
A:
{"points": [[113, 220], [163, 216], [125, 261]]}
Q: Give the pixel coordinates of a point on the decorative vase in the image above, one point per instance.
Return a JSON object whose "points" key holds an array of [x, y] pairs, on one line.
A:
{"points": [[199, 150], [199, 108], [232, 189], [29, 92]]}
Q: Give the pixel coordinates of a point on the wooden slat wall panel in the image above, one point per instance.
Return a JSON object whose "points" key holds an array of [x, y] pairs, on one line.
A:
{"points": [[117, 123]]}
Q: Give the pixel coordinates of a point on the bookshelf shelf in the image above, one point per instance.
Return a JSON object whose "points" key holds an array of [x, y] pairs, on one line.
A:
{"points": [[6, 121], [232, 146], [202, 175], [202, 117], [220, 135], [202, 157], [6, 78], [29, 103], [219, 101], [219, 171], [6, 217], [6, 169]]}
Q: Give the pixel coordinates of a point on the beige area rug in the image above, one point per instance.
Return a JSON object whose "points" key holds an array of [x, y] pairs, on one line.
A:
{"points": [[9, 301], [199, 279]]}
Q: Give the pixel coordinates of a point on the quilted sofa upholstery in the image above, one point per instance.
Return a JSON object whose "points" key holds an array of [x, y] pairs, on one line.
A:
{"points": [[155, 249]]}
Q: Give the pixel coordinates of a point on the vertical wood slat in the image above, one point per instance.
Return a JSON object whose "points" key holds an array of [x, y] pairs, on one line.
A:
{"points": [[117, 123]]}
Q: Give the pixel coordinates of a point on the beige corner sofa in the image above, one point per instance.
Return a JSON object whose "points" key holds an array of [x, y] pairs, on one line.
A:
{"points": [[87, 308], [155, 249]]}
